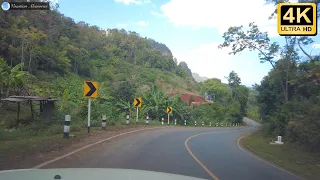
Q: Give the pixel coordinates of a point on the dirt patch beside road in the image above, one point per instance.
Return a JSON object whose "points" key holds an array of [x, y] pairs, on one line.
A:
{"points": [[56, 146]]}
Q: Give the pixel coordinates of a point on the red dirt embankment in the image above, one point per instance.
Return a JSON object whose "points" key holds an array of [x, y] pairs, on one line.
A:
{"points": [[196, 100]]}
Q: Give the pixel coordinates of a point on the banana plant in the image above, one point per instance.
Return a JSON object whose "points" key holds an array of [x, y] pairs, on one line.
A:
{"points": [[10, 78], [155, 100], [127, 106]]}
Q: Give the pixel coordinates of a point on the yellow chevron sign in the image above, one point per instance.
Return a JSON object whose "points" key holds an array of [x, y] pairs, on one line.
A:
{"points": [[169, 110], [137, 102]]}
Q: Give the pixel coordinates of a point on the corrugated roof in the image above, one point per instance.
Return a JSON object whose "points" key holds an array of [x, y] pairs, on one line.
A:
{"points": [[27, 98], [34, 98], [14, 99]]}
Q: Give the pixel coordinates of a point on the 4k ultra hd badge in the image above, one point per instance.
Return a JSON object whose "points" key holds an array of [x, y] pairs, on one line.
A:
{"points": [[5, 6], [297, 19]]}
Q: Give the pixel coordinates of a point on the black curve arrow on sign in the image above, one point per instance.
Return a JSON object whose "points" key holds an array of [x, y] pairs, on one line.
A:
{"points": [[138, 102], [169, 110], [92, 89]]}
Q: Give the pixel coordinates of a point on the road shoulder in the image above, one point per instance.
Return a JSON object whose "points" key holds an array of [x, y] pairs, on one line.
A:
{"points": [[301, 163], [54, 147]]}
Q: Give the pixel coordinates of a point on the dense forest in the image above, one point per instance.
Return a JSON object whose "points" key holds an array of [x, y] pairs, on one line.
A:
{"points": [[288, 98], [45, 53]]}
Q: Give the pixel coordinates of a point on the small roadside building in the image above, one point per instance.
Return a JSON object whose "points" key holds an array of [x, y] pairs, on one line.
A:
{"points": [[46, 105]]}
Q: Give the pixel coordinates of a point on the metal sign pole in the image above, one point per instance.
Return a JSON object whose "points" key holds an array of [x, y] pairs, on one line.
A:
{"points": [[137, 113], [89, 110], [168, 118]]}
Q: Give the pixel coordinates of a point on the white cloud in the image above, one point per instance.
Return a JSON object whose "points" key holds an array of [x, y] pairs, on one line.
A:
{"points": [[316, 46], [142, 23], [127, 2], [220, 15], [210, 61], [157, 14], [122, 25]]}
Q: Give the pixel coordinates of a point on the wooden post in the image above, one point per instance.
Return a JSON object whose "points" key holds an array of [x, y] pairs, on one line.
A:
{"points": [[18, 114], [31, 110]]}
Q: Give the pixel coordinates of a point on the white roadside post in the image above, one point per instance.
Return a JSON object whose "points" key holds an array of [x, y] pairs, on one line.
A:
{"points": [[185, 122], [202, 123], [210, 124], [147, 121], [66, 128], [89, 110], [104, 121], [175, 122], [279, 141], [162, 121], [127, 121], [217, 124], [195, 123]]}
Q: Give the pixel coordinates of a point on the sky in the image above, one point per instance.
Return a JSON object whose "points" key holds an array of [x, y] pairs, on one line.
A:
{"points": [[192, 29]]}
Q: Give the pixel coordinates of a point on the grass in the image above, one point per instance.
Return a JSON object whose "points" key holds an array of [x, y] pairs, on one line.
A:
{"points": [[287, 156]]}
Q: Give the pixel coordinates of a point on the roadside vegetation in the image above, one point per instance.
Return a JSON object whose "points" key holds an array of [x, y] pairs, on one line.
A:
{"points": [[287, 100], [287, 156]]}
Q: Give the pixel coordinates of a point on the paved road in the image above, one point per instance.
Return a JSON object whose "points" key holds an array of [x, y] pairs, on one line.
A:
{"points": [[251, 123], [164, 150]]}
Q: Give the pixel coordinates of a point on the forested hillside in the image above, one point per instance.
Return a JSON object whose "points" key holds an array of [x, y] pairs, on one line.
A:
{"points": [[48, 54]]}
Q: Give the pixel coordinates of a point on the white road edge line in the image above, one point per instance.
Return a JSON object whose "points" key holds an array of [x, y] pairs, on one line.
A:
{"points": [[89, 145], [255, 156]]}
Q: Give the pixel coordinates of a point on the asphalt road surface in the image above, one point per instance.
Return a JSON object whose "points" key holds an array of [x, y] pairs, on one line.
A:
{"points": [[209, 153]]}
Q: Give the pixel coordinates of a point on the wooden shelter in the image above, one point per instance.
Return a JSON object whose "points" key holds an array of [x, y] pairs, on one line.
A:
{"points": [[46, 105]]}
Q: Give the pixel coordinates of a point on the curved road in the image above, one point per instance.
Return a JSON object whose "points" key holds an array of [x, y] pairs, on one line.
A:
{"points": [[209, 153]]}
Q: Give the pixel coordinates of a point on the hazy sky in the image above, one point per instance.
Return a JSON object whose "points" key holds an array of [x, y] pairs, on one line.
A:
{"points": [[192, 29]]}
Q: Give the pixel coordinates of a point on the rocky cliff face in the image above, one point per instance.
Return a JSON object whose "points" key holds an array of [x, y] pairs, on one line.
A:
{"points": [[185, 67]]}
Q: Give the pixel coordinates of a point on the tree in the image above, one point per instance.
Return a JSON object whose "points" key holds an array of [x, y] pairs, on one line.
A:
{"points": [[241, 94], [30, 37], [256, 40], [233, 79], [216, 89], [126, 91]]}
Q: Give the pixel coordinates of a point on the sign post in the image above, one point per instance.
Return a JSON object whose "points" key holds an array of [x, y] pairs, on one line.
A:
{"points": [[90, 90], [137, 114], [137, 102], [89, 111]]}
